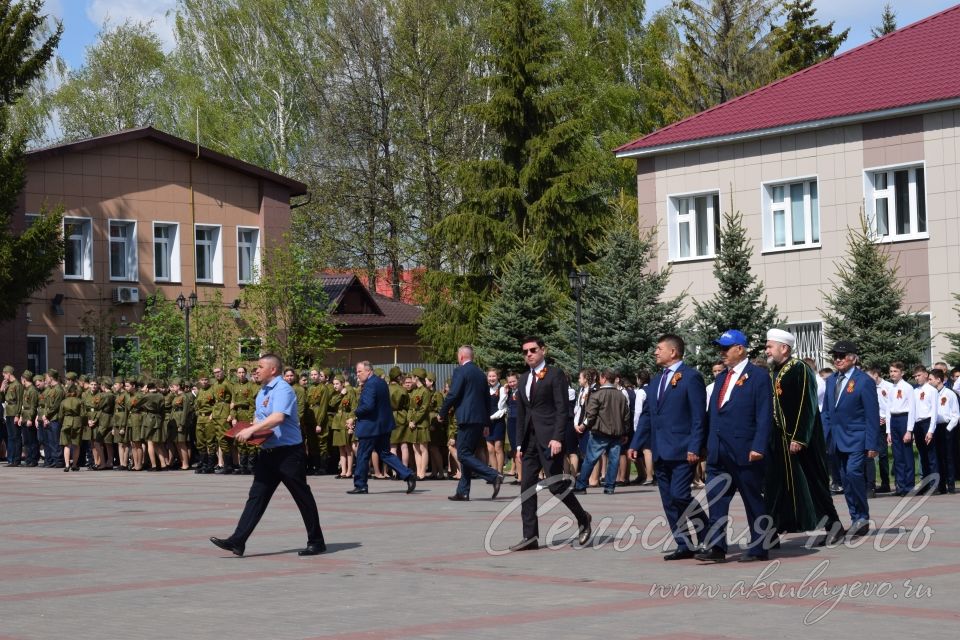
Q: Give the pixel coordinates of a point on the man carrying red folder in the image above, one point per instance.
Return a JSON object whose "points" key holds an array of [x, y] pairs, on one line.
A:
{"points": [[282, 459]]}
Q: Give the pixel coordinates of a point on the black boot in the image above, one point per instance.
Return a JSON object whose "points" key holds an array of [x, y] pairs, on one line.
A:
{"points": [[201, 463], [211, 463]]}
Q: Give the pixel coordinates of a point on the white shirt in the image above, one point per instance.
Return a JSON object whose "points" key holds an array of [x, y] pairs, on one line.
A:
{"points": [[535, 371], [580, 407], [501, 402], [927, 398], [638, 406], [948, 409], [710, 393], [821, 390], [734, 375], [902, 400], [884, 391]]}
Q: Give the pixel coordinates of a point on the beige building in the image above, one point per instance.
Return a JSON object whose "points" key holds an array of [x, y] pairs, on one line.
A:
{"points": [[875, 130], [144, 211]]}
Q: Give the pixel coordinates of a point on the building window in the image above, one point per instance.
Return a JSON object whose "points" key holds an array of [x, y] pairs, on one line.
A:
{"points": [[166, 252], [809, 337], [896, 203], [248, 254], [249, 348], [694, 226], [792, 215], [78, 354], [208, 254], [30, 219], [123, 250], [37, 353], [125, 355], [78, 249]]}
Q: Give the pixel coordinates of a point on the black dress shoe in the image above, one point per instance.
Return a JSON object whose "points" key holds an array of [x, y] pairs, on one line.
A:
{"points": [[527, 544], [496, 486], [583, 534], [236, 548], [680, 554], [835, 534], [712, 555], [458, 498], [753, 558], [313, 549], [884, 488], [357, 490], [579, 492], [411, 483]]}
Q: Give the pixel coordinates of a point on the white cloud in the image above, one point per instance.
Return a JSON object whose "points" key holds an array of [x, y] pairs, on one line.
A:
{"points": [[99, 11]]}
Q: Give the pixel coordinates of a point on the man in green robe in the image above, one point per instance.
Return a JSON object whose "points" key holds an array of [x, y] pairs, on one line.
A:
{"points": [[797, 487]]}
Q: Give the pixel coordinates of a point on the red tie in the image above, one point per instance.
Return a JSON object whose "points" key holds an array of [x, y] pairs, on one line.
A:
{"points": [[723, 389]]}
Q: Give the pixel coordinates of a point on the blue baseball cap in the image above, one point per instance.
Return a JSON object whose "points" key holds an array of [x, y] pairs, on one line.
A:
{"points": [[731, 337]]}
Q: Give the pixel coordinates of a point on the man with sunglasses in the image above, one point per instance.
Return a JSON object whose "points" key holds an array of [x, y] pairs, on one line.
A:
{"points": [[851, 415], [542, 420]]}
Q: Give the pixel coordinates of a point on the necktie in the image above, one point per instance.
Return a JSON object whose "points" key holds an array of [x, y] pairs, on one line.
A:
{"points": [[663, 385], [838, 389], [533, 382], [723, 388]]}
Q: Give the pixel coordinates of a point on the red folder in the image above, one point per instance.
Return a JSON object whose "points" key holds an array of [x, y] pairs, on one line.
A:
{"points": [[256, 440]]}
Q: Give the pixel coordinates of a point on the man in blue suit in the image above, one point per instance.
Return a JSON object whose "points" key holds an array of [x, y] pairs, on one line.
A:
{"points": [[372, 427], [671, 425], [851, 416], [740, 422], [469, 394]]}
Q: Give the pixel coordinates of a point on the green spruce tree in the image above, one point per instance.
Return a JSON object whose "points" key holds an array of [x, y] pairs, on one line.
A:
{"points": [[866, 305], [888, 22], [27, 257], [526, 303], [801, 41], [739, 301], [623, 306]]}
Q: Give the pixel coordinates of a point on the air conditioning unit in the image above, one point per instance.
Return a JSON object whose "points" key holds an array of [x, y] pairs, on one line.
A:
{"points": [[126, 295]]}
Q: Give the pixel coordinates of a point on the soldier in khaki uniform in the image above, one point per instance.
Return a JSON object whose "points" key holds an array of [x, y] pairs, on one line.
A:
{"points": [[71, 419], [181, 412], [51, 398], [152, 426], [118, 426], [342, 402], [206, 429], [438, 431], [318, 441], [418, 420], [27, 420], [12, 392], [97, 421], [400, 403], [135, 423], [221, 414], [244, 394]]}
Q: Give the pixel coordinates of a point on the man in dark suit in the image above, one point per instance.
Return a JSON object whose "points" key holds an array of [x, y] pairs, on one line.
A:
{"points": [[542, 417], [372, 426], [851, 416], [469, 394], [740, 423], [671, 425]]}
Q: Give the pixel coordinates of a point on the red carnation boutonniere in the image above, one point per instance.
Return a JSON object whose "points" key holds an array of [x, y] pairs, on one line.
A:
{"points": [[899, 394], [677, 377], [96, 402], [923, 394], [133, 402], [850, 387], [345, 403], [943, 402], [742, 379], [883, 392], [220, 393], [541, 373], [419, 401]]}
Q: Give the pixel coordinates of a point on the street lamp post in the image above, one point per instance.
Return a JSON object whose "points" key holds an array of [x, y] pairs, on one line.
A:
{"points": [[186, 305], [578, 284]]}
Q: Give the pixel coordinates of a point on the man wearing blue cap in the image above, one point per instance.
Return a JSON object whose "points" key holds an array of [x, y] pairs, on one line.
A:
{"points": [[740, 424], [672, 426]]}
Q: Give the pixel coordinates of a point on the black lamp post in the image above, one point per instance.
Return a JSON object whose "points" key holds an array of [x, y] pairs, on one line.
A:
{"points": [[578, 284], [186, 305]]}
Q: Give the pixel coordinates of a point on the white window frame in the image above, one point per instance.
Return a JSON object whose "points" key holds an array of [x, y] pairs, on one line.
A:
{"points": [[871, 195], [173, 251], [129, 241], [769, 208], [46, 351], [255, 255], [216, 261], [86, 260], [675, 218], [802, 350], [93, 352]]}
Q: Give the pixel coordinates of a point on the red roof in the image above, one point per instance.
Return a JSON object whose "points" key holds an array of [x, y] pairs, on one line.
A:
{"points": [[915, 65]]}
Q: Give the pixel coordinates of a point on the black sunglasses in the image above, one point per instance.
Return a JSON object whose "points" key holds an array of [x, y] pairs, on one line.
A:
{"points": [[530, 350]]}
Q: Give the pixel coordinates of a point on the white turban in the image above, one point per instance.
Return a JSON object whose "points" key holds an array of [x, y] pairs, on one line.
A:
{"points": [[779, 335]]}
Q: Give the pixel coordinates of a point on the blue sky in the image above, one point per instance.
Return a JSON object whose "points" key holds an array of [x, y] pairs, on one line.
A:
{"points": [[82, 19]]}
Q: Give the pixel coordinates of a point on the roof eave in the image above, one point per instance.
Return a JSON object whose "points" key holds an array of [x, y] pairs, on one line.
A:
{"points": [[686, 145]]}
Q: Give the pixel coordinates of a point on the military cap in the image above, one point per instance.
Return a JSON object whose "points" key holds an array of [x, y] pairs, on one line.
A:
{"points": [[431, 376], [53, 373], [131, 380], [338, 377], [395, 373], [27, 375], [203, 374], [328, 373], [378, 372], [72, 375], [106, 381], [176, 381], [8, 369]]}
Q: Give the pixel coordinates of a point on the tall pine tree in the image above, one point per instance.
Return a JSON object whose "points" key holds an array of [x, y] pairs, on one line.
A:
{"points": [[888, 22], [526, 303], [801, 41], [623, 308], [866, 305], [739, 302]]}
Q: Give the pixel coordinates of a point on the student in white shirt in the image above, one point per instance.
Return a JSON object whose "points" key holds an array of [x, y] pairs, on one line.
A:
{"points": [[948, 415], [926, 424], [901, 410], [884, 391]]}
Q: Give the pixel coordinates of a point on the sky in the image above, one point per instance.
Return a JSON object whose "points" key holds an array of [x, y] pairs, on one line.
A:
{"points": [[82, 19]]}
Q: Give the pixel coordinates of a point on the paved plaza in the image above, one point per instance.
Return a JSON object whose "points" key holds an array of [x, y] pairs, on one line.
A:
{"points": [[126, 555]]}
